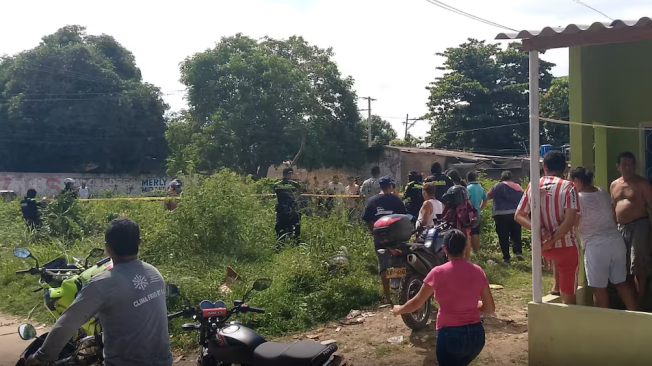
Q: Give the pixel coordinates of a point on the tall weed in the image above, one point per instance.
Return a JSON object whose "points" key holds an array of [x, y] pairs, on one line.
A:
{"points": [[218, 223]]}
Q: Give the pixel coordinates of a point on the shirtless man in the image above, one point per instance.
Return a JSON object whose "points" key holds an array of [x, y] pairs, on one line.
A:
{"points": [[632, 196]]}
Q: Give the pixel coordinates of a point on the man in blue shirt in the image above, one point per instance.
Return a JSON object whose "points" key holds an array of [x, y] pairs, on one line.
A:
{"points": [[478, 197]]}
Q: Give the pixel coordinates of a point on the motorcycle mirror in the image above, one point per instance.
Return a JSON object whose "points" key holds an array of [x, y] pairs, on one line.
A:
{"points": [[172, 291], [95, 252], [262, 284], [22, 253], [27, 331]]}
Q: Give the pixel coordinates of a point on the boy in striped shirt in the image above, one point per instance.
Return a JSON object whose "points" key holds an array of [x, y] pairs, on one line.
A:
{"points": [[559, 208]]}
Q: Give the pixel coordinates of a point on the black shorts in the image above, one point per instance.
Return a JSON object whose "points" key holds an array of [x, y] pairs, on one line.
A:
{"points": [[475, 230]]}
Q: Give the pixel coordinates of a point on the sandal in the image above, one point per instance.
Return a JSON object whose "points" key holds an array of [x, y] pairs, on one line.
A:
{"points": [[555, 293]]}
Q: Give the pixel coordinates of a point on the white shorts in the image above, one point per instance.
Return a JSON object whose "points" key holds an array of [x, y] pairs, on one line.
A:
{"points": [[605, 261]]}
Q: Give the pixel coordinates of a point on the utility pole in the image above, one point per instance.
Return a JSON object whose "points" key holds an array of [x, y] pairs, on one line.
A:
{"points": [[407, 118], [409, 125], [369, 99]]}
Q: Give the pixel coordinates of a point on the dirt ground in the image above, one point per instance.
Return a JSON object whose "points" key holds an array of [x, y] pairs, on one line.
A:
{"points": [[367, 343]]}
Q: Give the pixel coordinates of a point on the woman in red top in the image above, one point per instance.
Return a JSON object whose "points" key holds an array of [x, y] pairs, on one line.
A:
{"points": [[457, 286]]}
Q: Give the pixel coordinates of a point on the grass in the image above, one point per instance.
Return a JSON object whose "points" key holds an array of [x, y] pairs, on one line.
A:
{"points": [[218, 224]]}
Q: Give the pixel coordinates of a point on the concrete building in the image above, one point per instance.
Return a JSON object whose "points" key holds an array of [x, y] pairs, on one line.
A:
{"points": [[397, 162]]}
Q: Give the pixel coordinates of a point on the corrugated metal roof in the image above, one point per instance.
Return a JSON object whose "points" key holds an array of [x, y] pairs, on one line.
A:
{"points": [[447, 153], [575, 29]]}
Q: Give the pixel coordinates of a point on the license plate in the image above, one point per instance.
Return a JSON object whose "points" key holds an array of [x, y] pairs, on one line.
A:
{"points": [[395, 272]]}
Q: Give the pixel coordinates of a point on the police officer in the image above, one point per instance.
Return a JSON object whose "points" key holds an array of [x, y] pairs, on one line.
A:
{"points": [[176, 189], [69, 187], [441, 181], [413, 196], [288, 219], [30, 207]]}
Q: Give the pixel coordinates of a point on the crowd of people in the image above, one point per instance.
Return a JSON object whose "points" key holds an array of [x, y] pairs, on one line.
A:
{"points": [[613, 226]]}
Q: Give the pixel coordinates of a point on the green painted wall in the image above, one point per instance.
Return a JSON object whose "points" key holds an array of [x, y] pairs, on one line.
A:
{"points": [[563, 335], [609, 84]]}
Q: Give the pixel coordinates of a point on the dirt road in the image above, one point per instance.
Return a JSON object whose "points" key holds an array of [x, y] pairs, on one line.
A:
{"points": [[10, 343]]}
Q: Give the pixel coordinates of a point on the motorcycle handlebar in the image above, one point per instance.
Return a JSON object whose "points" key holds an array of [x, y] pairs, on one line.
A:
{"points": [[181, 313], [254, 310], [23, 271]]}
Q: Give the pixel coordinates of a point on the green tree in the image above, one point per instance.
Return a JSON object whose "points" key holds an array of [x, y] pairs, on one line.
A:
{"points": [[252, 103], [382, 131], [554, 104], [484, 87], [77, 103], [410, 141]]}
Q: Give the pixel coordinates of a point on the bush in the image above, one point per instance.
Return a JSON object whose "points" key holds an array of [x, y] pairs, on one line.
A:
{"points": [[218, 223]]}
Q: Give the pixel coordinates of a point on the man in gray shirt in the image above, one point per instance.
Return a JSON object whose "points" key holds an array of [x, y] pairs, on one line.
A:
{"points": [[129, 301]]}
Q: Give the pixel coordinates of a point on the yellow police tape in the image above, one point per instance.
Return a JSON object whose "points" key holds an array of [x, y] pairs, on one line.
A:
{"points": [[171, 198]]}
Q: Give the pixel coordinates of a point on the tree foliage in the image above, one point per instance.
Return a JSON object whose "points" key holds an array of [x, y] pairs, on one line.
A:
{"points": [[554, 104], [77, 103], [382, 131], [409, 141], [252, 103], [484, 87]]}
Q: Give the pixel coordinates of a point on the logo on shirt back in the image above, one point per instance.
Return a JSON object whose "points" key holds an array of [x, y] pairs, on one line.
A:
{"points": [[140, 282], [383, 212]]}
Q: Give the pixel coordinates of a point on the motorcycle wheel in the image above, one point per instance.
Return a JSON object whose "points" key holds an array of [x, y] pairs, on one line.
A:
{"points": [[409, 288]]}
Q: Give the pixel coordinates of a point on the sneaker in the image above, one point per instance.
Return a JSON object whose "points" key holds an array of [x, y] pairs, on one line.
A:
{"points": [[507, 261], [519, 257]]}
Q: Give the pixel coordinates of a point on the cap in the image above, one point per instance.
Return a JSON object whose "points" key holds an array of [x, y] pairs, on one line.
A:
{"points": [[385, 181], [288, 170]]}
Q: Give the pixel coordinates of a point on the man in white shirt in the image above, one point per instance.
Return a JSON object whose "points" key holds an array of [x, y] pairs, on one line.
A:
{"points": [[370, 187], [83, 190], [336, 187]]}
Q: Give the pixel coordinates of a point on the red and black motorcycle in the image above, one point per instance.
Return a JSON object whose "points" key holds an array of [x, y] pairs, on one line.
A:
{"points": [[411, 260], [231, 343]]}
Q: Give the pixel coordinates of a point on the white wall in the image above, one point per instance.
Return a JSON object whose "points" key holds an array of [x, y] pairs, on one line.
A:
{"points": [[49, 184]]}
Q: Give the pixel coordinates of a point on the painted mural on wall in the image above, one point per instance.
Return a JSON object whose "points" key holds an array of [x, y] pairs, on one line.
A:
{"points": [[51, 184]]}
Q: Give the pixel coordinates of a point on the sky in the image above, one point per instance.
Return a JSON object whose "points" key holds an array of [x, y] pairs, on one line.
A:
{"points": [[387, 46]]}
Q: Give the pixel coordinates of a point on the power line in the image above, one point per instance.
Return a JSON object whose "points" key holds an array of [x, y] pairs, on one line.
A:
{"points": [[486, 128], [167, 92], [469, 15], [106, 97], [592, 8]]}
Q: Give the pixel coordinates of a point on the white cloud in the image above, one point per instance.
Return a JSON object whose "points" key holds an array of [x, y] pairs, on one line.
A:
{"points": [[388, 46]]}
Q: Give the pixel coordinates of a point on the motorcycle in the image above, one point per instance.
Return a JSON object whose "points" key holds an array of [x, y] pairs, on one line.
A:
{"points": [[410, 261], [231, 343], [60, 282]]}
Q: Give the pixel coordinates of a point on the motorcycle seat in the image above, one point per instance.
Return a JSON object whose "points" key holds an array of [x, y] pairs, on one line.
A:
{"points": [[300, 353]]}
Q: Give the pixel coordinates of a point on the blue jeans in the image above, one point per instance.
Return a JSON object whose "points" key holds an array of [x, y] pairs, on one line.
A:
{"points": [[458, 346]]}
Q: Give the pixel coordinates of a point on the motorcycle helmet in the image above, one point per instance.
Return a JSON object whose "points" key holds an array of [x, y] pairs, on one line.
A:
{"points": [[454, 196], [176, 183]]}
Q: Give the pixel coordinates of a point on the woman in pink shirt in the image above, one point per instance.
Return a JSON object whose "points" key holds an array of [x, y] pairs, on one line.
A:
{"points": [[457, 286]]}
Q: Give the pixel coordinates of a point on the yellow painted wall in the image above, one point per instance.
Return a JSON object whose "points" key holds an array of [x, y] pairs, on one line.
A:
{"points": [[561, 335]]}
